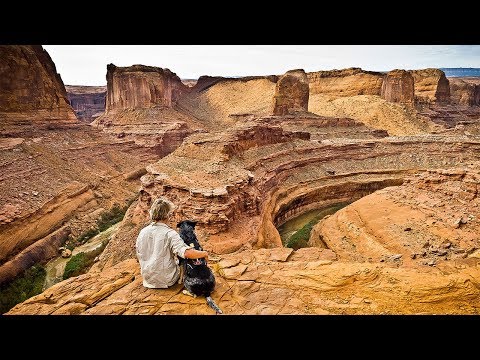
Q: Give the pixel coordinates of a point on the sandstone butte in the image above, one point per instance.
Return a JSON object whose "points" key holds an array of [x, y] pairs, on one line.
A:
{"points": [[405, 158]]}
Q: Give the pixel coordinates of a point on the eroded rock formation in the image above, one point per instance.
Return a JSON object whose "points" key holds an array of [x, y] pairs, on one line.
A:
{"points": [[345, 82], [398, 87], [241, 184], [141, 86], [31, 88], [291, 93], [431, 219], [140, 106], [57, 179], [88, 102], [464, 92], [431, 86]]}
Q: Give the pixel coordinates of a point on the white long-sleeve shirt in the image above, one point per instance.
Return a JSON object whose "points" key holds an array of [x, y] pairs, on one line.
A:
{"points": [[157, 248]]}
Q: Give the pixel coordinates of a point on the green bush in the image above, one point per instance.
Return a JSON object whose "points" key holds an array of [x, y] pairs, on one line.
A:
{"points": [[87, 235], [106, 220], [77, 265], [301, 237], [111, 217], [29, 284]]}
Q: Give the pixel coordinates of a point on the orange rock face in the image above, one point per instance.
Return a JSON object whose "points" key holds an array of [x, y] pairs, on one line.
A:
{"points": [[141, 86], [431, 86], [398, 87], [432, 219], [345, 82], [31, 88], [291, 93], [407, 243], [464, 92]]}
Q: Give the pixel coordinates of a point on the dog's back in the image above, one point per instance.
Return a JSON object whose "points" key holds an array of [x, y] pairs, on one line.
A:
{"points": [[198, 278]]}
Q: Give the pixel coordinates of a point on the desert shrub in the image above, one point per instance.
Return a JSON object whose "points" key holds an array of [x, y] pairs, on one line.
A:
{"points": [[111, 217], [80, 263], [87, 235], [76, 265], [300, 238], [107, 219], [24, 286]]}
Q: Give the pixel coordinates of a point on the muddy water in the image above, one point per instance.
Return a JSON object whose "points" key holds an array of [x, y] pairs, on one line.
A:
{"points": [[289, 228], [56, 267]]}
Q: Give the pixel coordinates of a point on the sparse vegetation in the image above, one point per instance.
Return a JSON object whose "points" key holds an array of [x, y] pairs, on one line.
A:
{"points": [[76, 265], [87, 235], [80, 263], [107, 219], [110, 218], [300, 238], [29, 284]]}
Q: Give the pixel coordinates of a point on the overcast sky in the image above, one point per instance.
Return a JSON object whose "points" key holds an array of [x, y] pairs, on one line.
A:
{"points": [[87, 64]]}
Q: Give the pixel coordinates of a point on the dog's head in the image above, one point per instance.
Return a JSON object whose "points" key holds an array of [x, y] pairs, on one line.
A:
{"points": [[187, 233], [186, 223]]}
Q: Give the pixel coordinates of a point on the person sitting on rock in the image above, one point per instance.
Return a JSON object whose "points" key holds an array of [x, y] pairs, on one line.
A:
{"points": [[158, 246]]}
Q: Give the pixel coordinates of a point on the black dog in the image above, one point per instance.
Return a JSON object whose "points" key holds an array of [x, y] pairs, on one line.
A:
{"points": [[198, 279]]}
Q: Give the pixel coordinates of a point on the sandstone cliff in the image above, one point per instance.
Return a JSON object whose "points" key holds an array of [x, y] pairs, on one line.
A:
{"points": [[431, 86], [291, 93], [141, 106], [141, 86], [31, 88], [88, 102], [464, 92], [55, 184], [345, 82], [398, 87]]}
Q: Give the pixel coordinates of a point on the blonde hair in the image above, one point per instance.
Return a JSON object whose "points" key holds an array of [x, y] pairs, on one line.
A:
{"points": [[160, 209]]}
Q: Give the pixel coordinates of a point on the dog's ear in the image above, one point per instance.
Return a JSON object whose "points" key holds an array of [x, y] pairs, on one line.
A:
{"points": [[180, 223]]}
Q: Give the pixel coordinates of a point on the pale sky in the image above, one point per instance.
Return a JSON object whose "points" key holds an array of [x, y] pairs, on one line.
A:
{"points": [[87, 64]]}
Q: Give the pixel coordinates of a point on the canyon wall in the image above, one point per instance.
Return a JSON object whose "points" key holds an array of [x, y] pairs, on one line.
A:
{"points": [[88, 102], [398, 87], [31, 88], [141, 86], [464, 92], [345, 82], [431, 86]]}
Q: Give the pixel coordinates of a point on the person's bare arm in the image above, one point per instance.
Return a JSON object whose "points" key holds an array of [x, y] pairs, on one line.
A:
{"points": [[195, 254]]}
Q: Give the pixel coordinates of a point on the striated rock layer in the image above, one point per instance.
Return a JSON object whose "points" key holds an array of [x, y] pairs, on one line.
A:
{"points": [[345, 82], [31, 90], [239, 185], [273, 281], [242, 183], [140, 106], [141, 86], [55, 184], [88, 102], [398, 87], [431, 86], [464, 92], [430, 220]]}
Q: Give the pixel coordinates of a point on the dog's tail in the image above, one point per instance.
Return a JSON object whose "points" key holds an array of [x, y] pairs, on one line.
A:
{"points": [[212, 304]]}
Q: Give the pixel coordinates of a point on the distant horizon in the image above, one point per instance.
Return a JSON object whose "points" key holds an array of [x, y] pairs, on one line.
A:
{"points": [[86, 65], [240, 76]]}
